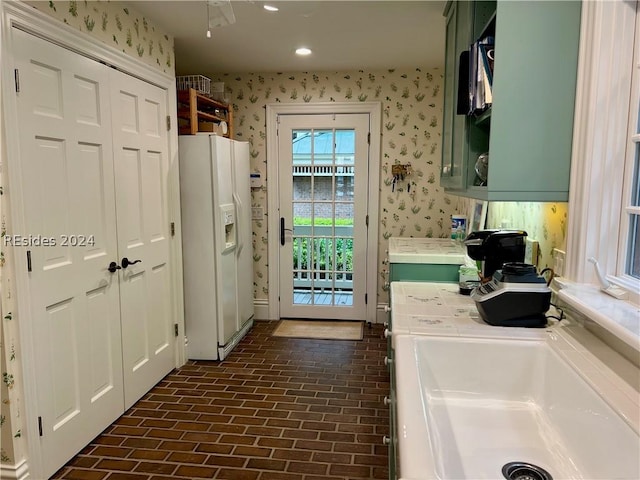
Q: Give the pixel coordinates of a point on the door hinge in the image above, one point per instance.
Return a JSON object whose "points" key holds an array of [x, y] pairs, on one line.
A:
{"points": [[369, 138], [366, 220], [29, 261], [168, 123], [40, 426], [175, 329], [172, 228], [366, 298], [16, 75]]}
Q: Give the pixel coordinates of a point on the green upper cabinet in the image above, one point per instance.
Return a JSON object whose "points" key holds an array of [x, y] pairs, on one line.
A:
{"points": [[459, 16], [527, 132]]}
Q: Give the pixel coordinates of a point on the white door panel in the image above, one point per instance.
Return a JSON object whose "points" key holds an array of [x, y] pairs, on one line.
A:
{"points": [[68, 195], [141, 166], [101, 339]]}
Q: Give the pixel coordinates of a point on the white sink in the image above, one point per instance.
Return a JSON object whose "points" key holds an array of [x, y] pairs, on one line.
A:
{"points": [[468, 406]]}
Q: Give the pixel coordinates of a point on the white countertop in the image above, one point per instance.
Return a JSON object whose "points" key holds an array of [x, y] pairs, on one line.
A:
{"points": [[429, 308], [426, 250]]}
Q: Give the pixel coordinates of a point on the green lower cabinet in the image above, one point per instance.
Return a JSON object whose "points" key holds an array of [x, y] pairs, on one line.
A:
{"points": [[393, 427], [423, 272]]}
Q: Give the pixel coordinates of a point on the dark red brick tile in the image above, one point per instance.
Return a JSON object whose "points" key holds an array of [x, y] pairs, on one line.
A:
{"points": [[299, 455], [275, 442], [143, 454], [155, 467], [266, 464], [305, 467], [178, 446], [226, 461], [141, 443], [195, 472], [233, 474], [187, 457], [118, 452], [79, 474], [275, 409], [83, 462], [350, 471], [214, 448], [111, 464], [281, 476], [332, 458], [238, 439], [251, 451], [128, 476]]}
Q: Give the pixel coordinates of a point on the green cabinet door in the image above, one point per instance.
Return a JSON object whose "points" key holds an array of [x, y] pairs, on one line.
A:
{"points": [[528, 130]]}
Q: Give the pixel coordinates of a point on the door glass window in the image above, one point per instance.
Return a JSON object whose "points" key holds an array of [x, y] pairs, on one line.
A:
{"points": [[323, 211]]}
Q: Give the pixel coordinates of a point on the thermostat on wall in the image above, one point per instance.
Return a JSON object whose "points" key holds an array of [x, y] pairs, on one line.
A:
{"points": [[256, 180]]}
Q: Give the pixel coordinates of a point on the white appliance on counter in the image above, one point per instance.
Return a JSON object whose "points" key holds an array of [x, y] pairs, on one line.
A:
{"points": [[216, 242]]}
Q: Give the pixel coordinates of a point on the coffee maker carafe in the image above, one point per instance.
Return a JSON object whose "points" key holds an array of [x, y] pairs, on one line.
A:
{"points": [[494, 248]]}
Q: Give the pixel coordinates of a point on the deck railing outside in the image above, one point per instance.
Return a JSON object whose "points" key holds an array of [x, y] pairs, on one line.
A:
{"points": [[314, 264]]}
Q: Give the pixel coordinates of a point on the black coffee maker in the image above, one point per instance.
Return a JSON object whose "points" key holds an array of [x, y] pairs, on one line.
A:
{"points": [[511, 294], [495, 247]]}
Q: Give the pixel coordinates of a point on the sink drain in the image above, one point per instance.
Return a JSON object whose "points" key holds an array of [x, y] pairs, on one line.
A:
{"points": [[524, 471]]}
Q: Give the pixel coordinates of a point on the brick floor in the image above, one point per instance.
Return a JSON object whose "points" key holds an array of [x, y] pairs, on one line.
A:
{"points": [[275, 409]]}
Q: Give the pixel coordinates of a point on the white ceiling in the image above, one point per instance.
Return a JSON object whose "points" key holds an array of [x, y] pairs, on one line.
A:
{"points": [[344, 35]]}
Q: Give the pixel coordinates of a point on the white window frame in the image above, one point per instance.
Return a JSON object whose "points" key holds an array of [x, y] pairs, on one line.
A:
{"points": [[603, 98], [630, 173]]}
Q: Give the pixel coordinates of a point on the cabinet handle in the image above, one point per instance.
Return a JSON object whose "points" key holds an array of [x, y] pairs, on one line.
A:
{"points": [[386, 440], [387, 361], [387, 333], [386, 401], [387, 309]]}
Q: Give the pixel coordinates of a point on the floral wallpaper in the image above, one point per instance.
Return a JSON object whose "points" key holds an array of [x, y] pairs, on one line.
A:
{"points": [[118, 25], [544, 222], [121, 27], [13, 446], [411, 133]]}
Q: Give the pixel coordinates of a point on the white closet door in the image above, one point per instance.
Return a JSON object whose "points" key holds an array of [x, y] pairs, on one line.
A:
{"points": [[141, 164], [68, 192]]}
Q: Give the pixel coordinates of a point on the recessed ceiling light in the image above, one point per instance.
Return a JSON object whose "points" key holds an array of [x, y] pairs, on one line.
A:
{"points": [[303, 51], [270, 8]]}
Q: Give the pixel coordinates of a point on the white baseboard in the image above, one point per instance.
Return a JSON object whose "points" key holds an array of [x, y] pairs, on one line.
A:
{"points": [[261, 309], [20, 471]]}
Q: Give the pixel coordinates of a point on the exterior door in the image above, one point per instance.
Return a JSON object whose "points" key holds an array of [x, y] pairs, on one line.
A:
{"points": [[140, 147], [70, 239], [323, 165]]}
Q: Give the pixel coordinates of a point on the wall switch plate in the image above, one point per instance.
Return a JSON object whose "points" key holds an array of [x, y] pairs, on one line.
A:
{"points": [[257, 213], [531, 251], [558, 261]]}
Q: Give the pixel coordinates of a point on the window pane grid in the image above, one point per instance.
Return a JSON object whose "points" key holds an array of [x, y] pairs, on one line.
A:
{"points": [[323, 169]]}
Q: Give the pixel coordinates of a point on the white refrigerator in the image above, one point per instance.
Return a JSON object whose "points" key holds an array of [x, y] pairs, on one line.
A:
{"points": [[217, 248]]}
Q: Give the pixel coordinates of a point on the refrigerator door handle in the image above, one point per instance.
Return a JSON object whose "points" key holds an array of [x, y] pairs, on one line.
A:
{"points": [[282, 230], [239, 217]]}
